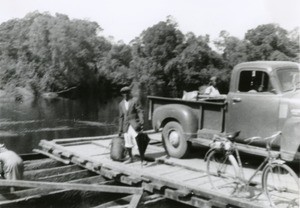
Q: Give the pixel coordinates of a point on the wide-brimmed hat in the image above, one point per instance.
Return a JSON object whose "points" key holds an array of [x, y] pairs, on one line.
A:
{"points": [[125, 89]]}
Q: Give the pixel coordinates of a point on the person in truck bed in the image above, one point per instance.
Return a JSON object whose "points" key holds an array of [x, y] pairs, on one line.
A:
{"points": [[212, 89]]}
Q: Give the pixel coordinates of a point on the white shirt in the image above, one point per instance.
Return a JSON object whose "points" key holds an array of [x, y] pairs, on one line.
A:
{"points": [[126, 104], [211, 91]]}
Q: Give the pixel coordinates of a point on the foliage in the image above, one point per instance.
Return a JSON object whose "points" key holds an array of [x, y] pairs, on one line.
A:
{"points": [[49, 53], [46, 53], [270, 42]]}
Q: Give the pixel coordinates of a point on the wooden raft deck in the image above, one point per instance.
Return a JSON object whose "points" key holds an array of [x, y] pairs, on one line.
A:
{"points": [[181, 180]]}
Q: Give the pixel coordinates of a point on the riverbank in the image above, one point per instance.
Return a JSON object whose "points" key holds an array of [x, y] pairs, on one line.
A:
{"points": [[17, 94]]}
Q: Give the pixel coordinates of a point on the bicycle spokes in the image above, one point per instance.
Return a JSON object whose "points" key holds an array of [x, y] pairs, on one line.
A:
{"points": [[221, 173], [281, 186]]}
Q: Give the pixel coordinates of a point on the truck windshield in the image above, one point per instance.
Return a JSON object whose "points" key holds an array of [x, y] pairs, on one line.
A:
{"points": [[289, 79]]}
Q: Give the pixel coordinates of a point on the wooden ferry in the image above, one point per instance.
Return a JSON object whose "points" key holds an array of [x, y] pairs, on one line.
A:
{"points": [[84, 164]]}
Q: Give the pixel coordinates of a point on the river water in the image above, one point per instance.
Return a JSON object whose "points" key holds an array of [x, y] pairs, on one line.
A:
{"points": [[24, 124]]}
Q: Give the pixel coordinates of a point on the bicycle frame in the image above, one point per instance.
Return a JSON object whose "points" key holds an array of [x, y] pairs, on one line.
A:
{"points": [[270, 159], [223, 159]]}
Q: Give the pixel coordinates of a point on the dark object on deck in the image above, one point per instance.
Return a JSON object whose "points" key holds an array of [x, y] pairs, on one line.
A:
{"points": [[117, 149], [142, 141]]}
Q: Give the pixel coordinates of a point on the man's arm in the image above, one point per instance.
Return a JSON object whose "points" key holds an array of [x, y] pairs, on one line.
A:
{"points": [[121, 120], [140, 113]]}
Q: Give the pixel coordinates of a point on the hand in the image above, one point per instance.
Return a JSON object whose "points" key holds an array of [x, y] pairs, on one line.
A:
{"points": [[142, 129]]}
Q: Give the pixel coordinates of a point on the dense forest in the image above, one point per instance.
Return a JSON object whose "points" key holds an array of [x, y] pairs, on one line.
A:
{"points": [[46, 53]]}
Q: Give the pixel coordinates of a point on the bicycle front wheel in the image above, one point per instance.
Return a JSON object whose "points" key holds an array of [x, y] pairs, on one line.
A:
{"points": [[281, 185], [222, 172]]}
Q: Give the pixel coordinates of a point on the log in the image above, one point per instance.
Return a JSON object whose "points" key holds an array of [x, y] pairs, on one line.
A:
{"points": [[35, 174], [39, 192], [52, 156], [71, 186]]}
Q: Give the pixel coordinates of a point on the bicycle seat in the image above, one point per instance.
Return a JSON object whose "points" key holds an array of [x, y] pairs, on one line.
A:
{"points": [[231, 136]]}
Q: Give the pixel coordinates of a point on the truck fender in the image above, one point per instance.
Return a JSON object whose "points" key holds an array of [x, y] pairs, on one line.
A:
{"points": [[176, 112], [290, 139]]}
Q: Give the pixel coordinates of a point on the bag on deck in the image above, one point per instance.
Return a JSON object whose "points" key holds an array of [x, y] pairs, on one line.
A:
{"points": [[117, 149]]}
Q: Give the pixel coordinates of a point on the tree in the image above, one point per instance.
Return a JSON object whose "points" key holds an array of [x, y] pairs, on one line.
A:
{"points": [[270, 42], [115, 66], [233, 50], [49, 53], [193, 66], [152, 51]]}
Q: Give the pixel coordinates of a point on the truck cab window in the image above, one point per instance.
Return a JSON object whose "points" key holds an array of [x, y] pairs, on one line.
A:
{"points": [[289, 79], [254, 81]]}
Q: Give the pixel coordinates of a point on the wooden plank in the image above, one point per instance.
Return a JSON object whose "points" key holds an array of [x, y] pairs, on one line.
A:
{"points": [[129, 180], [67, 176], [42, 164], [135, 200], [186, 175], [104, 144], [195, 201], [166, 181], [52, 156], [101, 151], [76, 143], [73, 186], [203, 192], [156, 136], [95, 138], [85, 139], [42, 191], [160, 169], [84, 150], [152, 199], [35, 174], [109, 173], [151, 187], [28, 194]]}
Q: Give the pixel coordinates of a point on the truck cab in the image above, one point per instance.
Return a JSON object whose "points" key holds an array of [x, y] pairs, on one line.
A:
{"points": [[264, 96]]}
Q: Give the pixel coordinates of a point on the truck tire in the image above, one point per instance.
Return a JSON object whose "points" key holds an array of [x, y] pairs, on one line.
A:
{"points": [[174, 140]]}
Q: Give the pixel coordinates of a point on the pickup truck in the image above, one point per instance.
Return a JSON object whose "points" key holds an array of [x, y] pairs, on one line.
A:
{"points": [[263, 98]]}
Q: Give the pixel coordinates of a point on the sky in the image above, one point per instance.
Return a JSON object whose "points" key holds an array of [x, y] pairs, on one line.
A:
{"points": [[126, 19]]}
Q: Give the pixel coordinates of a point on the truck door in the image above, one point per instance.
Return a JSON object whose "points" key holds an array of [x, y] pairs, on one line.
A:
{"points": [[253, 105]]}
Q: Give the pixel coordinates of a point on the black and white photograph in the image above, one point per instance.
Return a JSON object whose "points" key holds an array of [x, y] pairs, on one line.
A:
{"points": [[149, 104]]}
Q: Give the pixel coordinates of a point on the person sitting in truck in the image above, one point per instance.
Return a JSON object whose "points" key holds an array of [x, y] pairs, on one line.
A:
{"points": [[212, 89]]}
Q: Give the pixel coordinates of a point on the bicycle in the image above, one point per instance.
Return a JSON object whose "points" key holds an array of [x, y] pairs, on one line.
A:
{"points": [[225, 172]]}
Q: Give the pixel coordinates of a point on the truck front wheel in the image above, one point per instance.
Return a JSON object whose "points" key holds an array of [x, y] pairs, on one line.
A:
{"points": [[174, 141]]}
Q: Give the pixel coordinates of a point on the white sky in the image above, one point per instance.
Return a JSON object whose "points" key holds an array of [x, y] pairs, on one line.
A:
{"points": [[126, 19]]}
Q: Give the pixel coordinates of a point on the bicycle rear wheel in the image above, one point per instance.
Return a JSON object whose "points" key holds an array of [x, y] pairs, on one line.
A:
{"points": [[281, 185], [222, 172]]}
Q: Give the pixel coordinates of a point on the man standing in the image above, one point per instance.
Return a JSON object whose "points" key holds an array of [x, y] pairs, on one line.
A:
{"points": [[11, 165], [131, 120]]}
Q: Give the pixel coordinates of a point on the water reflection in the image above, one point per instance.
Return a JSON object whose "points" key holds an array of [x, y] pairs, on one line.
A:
{"points": [[23, 125]]}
